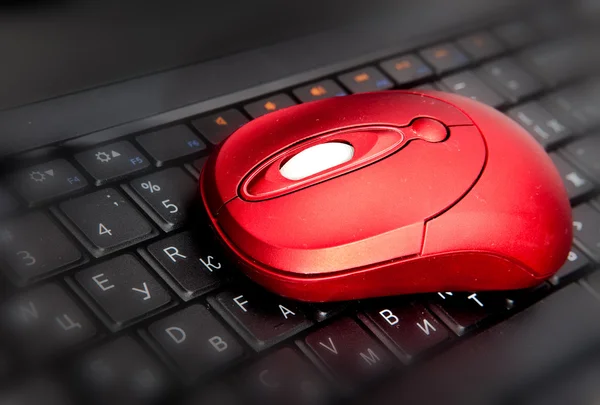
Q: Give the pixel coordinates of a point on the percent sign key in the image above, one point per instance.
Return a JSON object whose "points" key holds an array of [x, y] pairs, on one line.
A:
{"points": [[153, 188]]}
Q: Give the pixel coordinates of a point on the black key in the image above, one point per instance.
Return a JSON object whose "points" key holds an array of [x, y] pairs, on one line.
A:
{"points": [[112, 162], [462, 312], [555, 62], [171, 143], [34, 247], [217, 127], [427, 86], [348, 352], [190, 267], [576, 183], [365, 80], [7, 203], [531, 345], [468, 85], [407, 69], [48, 181], [121, 372], [481, 45], [325, 310], [124, 289], [575, 262], [515, 300], [546, 129], [586, 229], [199, 164], [36, 391], [106, 221], [269, 104], [260, 318], [196, 341], [444, 57], [509, 79], [319, 90], [585, 152], [407, 329], [284, 377], [46, 320], [515, 34], [168, 196], [576, 106]]}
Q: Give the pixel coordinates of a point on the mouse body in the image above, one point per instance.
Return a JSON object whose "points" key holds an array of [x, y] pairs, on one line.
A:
{"points": [[387, 193]]}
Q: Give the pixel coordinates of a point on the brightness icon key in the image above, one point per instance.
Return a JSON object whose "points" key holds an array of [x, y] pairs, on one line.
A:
{"points": [[318, 91], [269, 104], [365, 80]]}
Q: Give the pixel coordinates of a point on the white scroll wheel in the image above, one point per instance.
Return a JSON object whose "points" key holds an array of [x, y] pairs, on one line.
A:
{"points": [[316, 159]]}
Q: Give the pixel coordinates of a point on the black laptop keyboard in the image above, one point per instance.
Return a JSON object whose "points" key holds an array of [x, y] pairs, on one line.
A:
{"points": [[116, 293]]}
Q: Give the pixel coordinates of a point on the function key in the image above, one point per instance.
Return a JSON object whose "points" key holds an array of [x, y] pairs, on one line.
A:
{"points": [[407, 69], [105, 221], [217, 127], [269, 104], [171, 143], [576, 183], [262, 319], [444, 57], [111, 162], [48, 181], [46, 320], [468, 85], [121, 372], [168, 196], [365, 80], [481, 45], [284, 377], [349, 352], [546, 129], [124, 289], [510, 80], [191, 267], [515, 34], [576, 261], [585, 152], [462, 312], [586, 229], [319, 90], [196, 341], [407, 329], [34, 247]]}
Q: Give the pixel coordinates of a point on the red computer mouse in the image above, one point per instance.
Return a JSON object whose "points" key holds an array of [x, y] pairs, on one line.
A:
{"points": [[387, 193]]}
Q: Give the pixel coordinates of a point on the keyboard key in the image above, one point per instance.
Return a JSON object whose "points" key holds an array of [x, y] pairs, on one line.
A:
{"points": [[121, 372], [112, 162], [324, 310], [586, 229], [190, 267], [407, 329], [284, 377], [576, 261], [576, 183], [217, 127], [348, 352], [546, 129], [575, 106], [555, 62], [171, 143], [199, 164], [585, 152], [365, 80], [269, 104], [168, 196], [516, 300], [515, 34], [318, 91], [46, 320], [509, 79], [260, 318], [7, 203], [48, 181], [123, 289], [36, 391], [407, 69], [481, 45], [444, 57], [468, 85], [106, 221], [34, 247], [196, 341], [463, 312]]}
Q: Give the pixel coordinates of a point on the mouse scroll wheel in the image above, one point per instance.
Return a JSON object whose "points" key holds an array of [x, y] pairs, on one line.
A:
{"points": [[316, 159]]}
